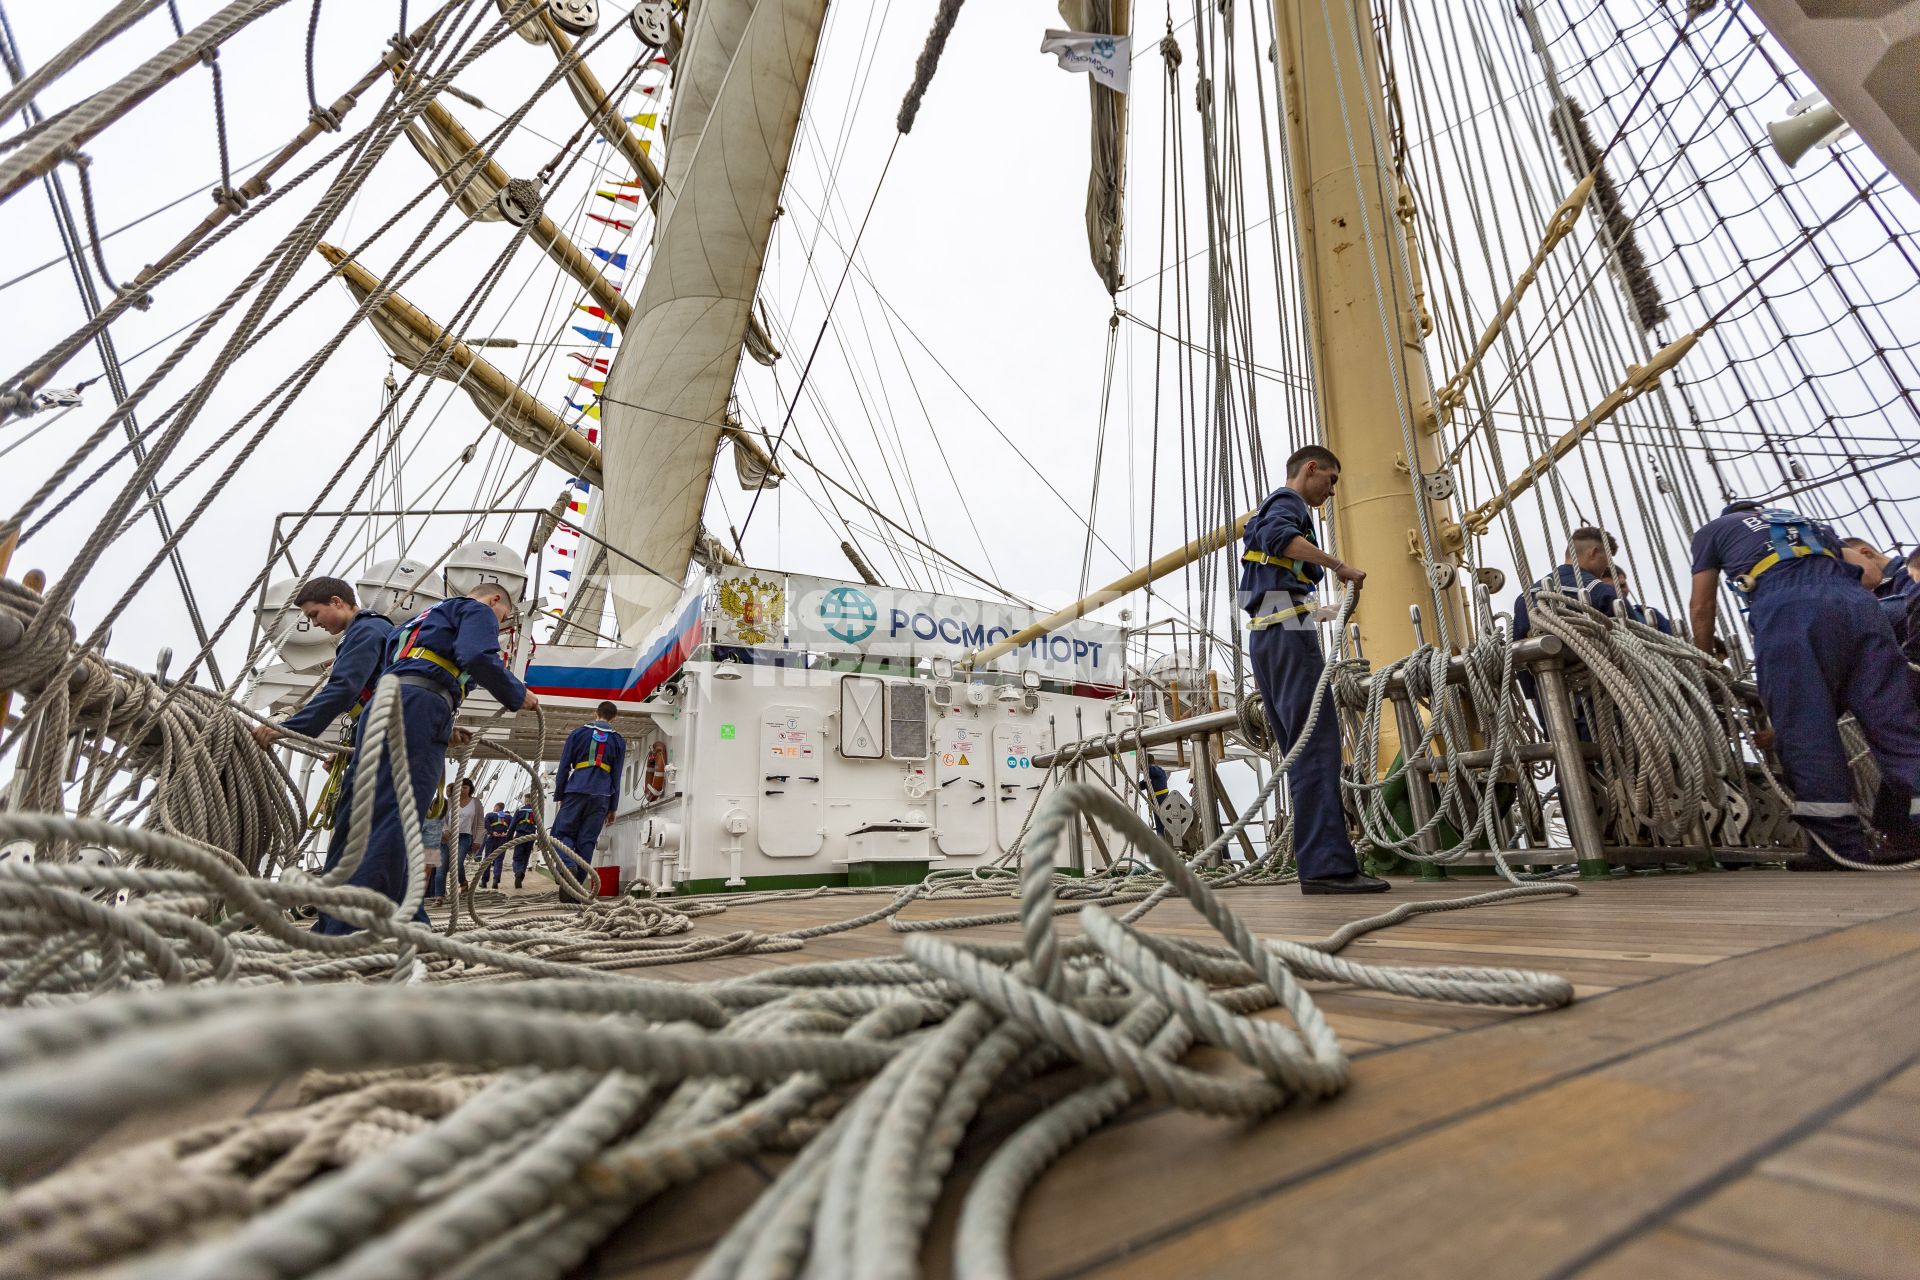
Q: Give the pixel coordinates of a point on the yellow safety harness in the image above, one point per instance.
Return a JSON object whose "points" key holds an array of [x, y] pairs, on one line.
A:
{"points": [[1290, 565], [445, 664], [599, 760], [1745, 583], [1783, 527], [1266, 620], [1283, 562], [409, 648]]}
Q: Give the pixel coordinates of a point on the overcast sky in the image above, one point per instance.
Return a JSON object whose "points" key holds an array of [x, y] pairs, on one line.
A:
{"points": [[975, 259]]}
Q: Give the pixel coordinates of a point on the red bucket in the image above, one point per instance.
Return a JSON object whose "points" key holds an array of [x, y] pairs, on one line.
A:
{"points": [[609, 881]]}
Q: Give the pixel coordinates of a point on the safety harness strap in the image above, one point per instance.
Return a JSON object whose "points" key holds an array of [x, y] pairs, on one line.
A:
{"points": [[1782, 528], [410, 647], [1260, 557], [1266, 620], [599, 760]]}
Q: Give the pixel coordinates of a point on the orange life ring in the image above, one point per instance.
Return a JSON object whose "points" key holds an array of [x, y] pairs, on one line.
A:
{"points": [[656, 770]]}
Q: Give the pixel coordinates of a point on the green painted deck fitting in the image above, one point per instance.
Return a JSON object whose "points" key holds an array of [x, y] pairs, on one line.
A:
{"points": [[902, 872], [759, 884]]}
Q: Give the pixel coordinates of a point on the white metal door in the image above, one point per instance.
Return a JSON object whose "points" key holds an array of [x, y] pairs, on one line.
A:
{"points": [[792, 810], [964, 791], [1016, 783], [863, 722]]}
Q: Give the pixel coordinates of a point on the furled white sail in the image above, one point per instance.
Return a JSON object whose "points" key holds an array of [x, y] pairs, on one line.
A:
{"points": [[1106, 199], [454, 163], [666, 395], [713, 34]]}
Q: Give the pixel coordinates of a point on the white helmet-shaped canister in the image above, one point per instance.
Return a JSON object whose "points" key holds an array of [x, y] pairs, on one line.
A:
{"points": [[397, 589], [302, 645], [479, 563]]}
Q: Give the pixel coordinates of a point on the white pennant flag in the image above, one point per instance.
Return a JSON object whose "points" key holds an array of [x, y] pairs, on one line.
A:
{"points": [[1106, 58]]}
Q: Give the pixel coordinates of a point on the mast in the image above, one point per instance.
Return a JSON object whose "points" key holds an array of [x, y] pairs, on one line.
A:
{"points": [[1354, 234]]}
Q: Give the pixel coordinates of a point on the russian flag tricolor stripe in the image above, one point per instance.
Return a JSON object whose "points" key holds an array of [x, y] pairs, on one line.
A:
{"points": [[617, 674]]}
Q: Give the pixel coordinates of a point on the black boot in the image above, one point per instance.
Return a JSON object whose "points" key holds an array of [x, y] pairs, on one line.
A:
{"points": [[1353, 882]]}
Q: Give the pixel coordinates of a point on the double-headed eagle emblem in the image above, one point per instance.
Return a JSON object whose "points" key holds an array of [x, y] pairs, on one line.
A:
{"points": [[755, 606]]}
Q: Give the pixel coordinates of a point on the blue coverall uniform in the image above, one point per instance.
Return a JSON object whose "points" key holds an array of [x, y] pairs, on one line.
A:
{"points": [[357, 664], [1588, 588], [523, 825], [1156, 788], [499, 826], [433, 657], [1898, 598], [1570, 580], [1284, 646], [1822, 646], [587, 788], [1652, 617]]}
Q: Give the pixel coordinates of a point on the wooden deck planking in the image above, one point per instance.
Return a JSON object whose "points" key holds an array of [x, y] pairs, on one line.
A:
{"points": [[1824, 1231], [1572, 1168], [1161, 1192], [1843, 1199], [1669, 1254], [1741, 1062]]}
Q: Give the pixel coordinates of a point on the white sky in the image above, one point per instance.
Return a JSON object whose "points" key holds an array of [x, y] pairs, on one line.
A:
{"points": [[976, 248]]}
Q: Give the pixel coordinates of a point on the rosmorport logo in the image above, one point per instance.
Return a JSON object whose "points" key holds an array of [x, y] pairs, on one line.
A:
{"points": [[849, 614]]}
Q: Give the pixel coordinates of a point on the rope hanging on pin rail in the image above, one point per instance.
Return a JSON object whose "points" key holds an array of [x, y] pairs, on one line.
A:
{"points": [[929, 62]]}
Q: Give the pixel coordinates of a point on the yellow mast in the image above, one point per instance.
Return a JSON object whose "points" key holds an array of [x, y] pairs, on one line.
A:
{"points": [[1355, 239]]}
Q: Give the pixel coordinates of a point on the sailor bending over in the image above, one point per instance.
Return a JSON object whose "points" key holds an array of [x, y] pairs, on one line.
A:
{"points": [[1822, 646], [434, 658], [365, 639]]}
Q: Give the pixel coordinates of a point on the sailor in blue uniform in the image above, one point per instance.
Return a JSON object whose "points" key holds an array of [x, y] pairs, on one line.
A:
{"points": [[1641, 613], [1882, 575], [587, 786], [523, 830], [1586, 576], [499, 826], [1282, 567], [1156, 787], [329, 604], [1822, 646], [433, 658], [365, 638]]}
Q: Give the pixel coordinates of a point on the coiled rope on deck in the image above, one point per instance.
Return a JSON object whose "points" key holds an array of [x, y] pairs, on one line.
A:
{"points": [[481, 1110], [505, 1095]]}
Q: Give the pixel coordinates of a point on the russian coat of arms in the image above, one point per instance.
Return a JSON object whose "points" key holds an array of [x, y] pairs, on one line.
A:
{"points": [[755, 607]]}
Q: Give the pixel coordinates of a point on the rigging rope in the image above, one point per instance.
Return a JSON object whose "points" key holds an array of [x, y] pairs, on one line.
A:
{"points": [[598, 1089]]}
